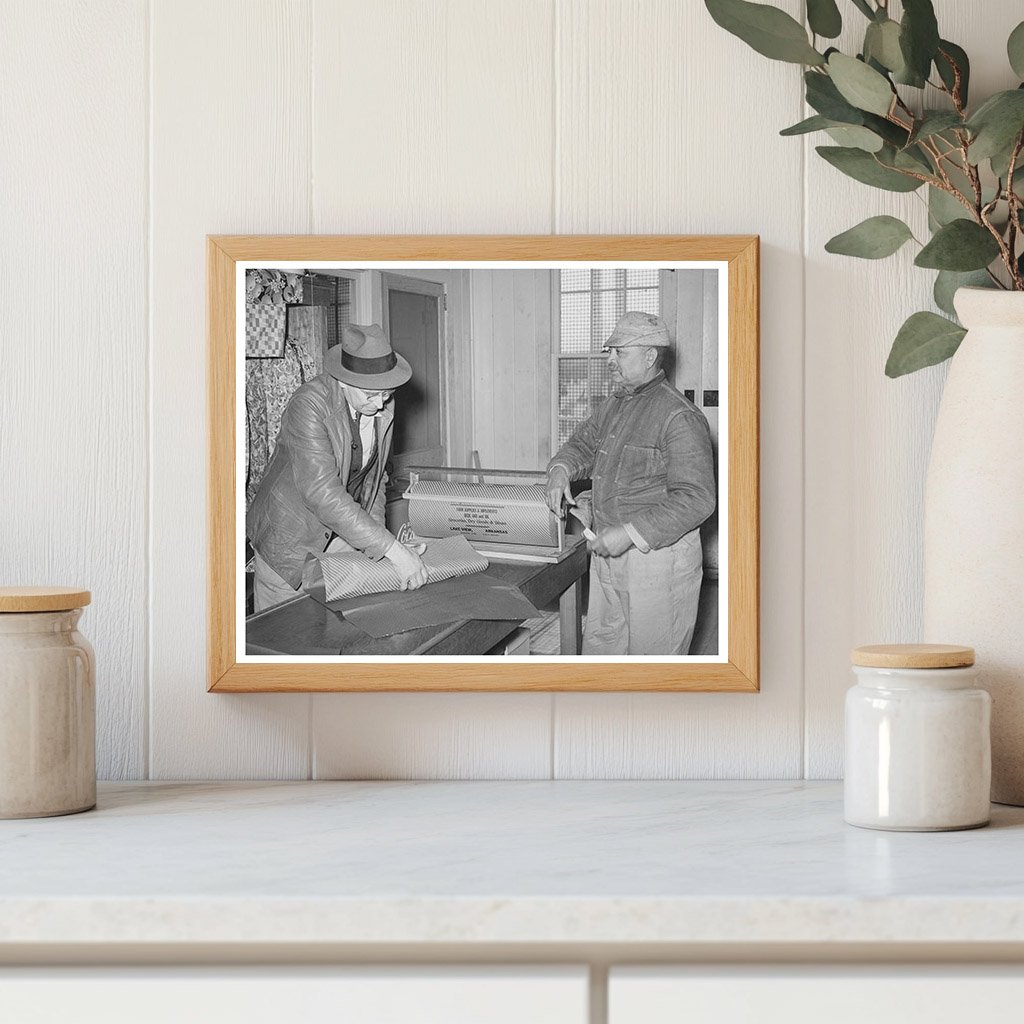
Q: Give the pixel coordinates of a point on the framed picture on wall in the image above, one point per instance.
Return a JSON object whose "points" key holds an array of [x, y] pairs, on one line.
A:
{"points": [[483, 463]]}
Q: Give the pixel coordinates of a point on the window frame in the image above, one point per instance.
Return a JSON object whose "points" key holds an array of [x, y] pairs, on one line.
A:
{"points": [[558, 356]]}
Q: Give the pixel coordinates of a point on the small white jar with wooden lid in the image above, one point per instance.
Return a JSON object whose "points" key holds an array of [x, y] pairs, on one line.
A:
{"points": [[918, 750], [47, 704]]}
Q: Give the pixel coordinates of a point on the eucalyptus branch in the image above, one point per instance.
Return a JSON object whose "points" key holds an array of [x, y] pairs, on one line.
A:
{"points": [[901, 104], [995, 280], [1015, 212], [1014, 224], [954, 93], [949, 153], [1004, 252], [929, 147], [893, 119], [972, 176], [934, 182], [962, 232], [946, 185]]}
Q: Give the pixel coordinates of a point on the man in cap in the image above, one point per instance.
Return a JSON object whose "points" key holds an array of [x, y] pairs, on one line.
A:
{"points": [[647, 450], [323, 490]]}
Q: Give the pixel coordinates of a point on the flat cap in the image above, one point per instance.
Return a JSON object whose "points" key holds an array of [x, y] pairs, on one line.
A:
{"points": [[637, 328]]}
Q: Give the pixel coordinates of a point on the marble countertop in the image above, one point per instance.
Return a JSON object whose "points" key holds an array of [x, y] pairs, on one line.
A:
{"points": [[500, 862]]}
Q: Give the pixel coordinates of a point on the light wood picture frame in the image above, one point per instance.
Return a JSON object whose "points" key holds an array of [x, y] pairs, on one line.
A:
{"points": [[233, 667]]}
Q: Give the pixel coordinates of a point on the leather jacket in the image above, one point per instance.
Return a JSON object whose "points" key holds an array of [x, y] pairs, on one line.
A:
{"points": [[302, 499], [648, 452]]}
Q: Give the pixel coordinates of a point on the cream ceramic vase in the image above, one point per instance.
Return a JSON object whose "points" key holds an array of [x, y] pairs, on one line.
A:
{"points": [[47, 705], [974, 517]]}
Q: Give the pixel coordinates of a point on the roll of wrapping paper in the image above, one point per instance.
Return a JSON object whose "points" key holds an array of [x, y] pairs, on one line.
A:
{"points": [[504, 513], [353, 574]]}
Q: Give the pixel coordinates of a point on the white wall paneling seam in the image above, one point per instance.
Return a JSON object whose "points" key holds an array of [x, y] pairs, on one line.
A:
{"points": [[439, 121], [635, 157], [73, 458], [230, 151], [147, 768]]}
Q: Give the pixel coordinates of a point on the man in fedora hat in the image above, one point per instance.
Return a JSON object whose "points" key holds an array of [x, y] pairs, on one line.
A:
{"points": [[323, 490], [647, 450]]}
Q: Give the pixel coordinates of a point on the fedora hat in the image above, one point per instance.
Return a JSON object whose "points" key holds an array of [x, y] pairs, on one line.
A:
{"points": [[364, 358]]}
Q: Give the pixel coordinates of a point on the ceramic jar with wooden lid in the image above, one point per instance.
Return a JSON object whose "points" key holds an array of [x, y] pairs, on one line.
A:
{"points": [[47, 704], [918, 749]]}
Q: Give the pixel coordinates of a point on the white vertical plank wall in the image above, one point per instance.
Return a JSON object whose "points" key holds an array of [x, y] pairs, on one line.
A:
{"points": [[230, 153], [132, 129], [673, 145], [868, 437], [73, 429], [435, 116]]}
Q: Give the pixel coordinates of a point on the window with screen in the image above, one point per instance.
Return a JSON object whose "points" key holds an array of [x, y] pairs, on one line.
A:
{"points": [[592, 300], [335, 294]]}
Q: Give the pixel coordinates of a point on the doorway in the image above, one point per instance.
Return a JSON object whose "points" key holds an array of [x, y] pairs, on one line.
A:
{"points": [[414, 321]]}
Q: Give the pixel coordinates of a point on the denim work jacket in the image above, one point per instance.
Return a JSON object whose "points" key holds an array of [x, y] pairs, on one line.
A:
{"points": [[302, 498], [648, 452]]}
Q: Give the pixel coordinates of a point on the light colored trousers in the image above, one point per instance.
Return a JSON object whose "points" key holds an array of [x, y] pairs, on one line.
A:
{"points": [[270, 588], [645, 603]]}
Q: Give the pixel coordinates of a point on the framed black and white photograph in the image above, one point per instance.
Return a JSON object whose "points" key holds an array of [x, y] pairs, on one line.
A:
{"points": [[483, 463]]}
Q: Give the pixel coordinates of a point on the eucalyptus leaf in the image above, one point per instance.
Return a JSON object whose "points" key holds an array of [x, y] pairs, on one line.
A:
{"points": [[1015, 50], [1001, 161], [864, 167], [944, 208], [925, 339], [947, 282], [949, 55], [824, 18], [825, 98], [960, 245], [892, 133], [864, 7], [961, 183], [907, 76], [856, 137], [882, 44], [959, 180], [919, 36], [996, 124], [860, 85], [913, 159], [808, 125], [872, 239], [934, 122], [766, 29]]}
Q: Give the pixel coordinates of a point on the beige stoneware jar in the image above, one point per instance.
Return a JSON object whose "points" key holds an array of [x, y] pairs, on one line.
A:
{"points": [[918, 747], [47, 704]]}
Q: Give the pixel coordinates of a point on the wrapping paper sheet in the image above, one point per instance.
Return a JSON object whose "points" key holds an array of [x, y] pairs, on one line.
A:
{"points": [[477, 596], [353, 574]]}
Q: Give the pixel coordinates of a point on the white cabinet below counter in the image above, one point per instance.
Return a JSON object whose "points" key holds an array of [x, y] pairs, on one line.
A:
{"points": [[279, 995], [812, 995]]}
